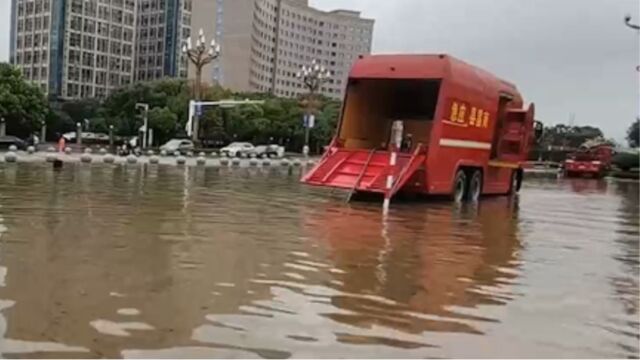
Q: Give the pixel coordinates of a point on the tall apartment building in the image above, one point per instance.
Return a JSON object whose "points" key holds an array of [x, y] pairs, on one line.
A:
{"points": [[88, 48], [265, 42], [74, 48], [163, 26]]}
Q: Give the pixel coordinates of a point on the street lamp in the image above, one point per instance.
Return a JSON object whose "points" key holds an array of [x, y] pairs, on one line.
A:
{"points": [[312, 76], [200, 55], [627, 21], [145, 118]]}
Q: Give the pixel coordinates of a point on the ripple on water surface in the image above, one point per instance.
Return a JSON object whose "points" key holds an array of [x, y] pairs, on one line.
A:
{"points": [[158, 261]]}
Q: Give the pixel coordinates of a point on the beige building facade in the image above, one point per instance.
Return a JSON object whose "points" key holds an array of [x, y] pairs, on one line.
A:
{"points": [[266, 42]]}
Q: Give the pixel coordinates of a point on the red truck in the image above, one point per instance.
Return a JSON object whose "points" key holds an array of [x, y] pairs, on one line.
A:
{"points": [[593, 161], [427, 124]]}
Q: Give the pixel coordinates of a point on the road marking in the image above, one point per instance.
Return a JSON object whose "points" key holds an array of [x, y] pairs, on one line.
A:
{"points": [[466, 144]]}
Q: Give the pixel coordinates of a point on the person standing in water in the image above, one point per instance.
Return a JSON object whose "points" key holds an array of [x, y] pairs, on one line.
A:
{"points": [[407, 143], [61, 144]]}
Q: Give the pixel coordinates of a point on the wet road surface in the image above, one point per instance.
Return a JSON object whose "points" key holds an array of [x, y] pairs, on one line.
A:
{"points": [[135, 261]]}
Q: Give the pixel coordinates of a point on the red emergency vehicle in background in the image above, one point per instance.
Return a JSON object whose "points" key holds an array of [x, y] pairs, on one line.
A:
{"points": [[590, 160], [427, 124]]}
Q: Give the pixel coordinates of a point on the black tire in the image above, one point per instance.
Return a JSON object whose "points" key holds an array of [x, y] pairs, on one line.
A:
{"points": [[516, 182], [460, 186], [474, 189]]}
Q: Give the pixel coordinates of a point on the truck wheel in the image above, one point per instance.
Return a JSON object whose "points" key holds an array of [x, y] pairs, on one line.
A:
{"points": [[459, 187], [516, 183], [475, 187]]}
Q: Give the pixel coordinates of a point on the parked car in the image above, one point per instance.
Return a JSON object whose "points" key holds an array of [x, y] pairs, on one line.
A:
{"points": [[238, 149], [7, 141], [181, 145], [70, 136], [263, 151]]}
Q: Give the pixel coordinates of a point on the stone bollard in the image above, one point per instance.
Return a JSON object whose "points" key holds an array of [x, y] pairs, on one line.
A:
{"points": [[10, 157], [131, 159], [150, 153], [103, 151], [88, 151], [86, 158], [266, 162], [51, 149], [154, 160], [311, 163], [51, 157], [109, 159], [235, 162], [176, 153], [181, 160], [285, 162], [297, 163], [68, 150], [190, 153], [163, 152], [224, 162], [13, 148], [201, 160], [202, 154], [31, 150], [253, 162], [214, 155], [252, 156]]}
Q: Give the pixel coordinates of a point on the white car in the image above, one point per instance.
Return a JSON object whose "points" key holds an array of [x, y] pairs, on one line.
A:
{"points": [[237, 149], [181, 145]]}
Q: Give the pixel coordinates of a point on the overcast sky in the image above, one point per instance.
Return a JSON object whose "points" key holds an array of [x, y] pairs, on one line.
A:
{"points": [[567, 56]]}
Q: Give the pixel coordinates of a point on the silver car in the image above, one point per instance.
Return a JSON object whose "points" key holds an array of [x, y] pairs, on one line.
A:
{"points": [[181, 145]]}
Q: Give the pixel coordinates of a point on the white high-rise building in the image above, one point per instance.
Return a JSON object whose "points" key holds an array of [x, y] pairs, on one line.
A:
{"points": [[163, 26], [265, 42], [74, 48]]}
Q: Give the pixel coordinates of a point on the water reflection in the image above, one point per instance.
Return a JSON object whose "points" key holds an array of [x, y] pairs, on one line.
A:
{"points": [[144, 261], [625, 285], [424, 261]]}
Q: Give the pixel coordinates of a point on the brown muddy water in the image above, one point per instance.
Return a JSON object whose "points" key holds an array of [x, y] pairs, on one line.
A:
{"points": [[116, 261]]}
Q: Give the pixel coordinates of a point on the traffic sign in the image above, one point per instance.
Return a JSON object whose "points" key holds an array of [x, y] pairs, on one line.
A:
{"points": [[309, 121]]}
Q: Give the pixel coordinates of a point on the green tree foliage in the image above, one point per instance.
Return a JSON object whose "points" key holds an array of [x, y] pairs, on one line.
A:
{"points": [[633, 134], [163, 122], [79, 110], [278, 120], [564, 136], [23, 106]]}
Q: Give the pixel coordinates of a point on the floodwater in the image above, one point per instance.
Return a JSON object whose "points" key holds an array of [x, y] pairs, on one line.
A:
{"points": [[116, 261]]}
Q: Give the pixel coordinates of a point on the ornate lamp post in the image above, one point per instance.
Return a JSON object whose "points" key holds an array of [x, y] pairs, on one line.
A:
{"points": [[200, 55], [627, 20], [312, 77]]}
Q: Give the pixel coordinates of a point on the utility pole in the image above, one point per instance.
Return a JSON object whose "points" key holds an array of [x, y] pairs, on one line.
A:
{"points": [[313, 77], [145, 117], [199, 56], [636, 27]]}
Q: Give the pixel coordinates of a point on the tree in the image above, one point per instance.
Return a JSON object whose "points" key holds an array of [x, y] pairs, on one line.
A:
{"points": [[22, 105], [565, 136], [633, 134], [79, 110], [163, 122], [326, 123]]}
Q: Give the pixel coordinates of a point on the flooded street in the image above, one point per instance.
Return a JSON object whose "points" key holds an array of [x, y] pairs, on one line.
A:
{"points": [[116, 261]]}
